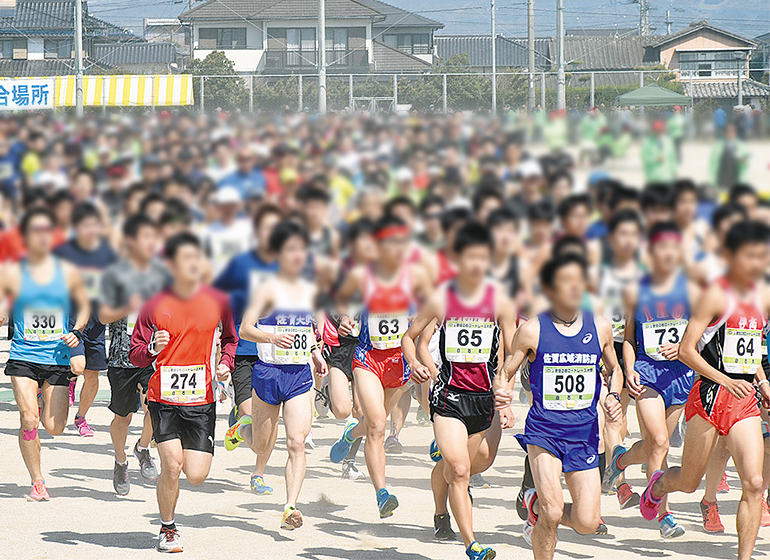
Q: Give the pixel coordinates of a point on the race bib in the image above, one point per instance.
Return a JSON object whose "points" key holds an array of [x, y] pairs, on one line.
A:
{"points": [[742, 353], [657, 333], [299, 353], [43, 325], [183, 384], [131, 322], [92, 280], [571, 387], [469, 341], [615, 314], [387, 329], [355, 314]]}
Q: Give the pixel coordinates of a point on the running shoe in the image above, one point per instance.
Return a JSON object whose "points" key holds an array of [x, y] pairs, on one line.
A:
{"points": [[669, 528], [765, 520], [712, 522], [648, 504], [168, 540], [386, 502], [309, 442], [627, 497], [393, 446], [526, 531], [613, 470], [724, 486], [477, 552], [677, 438], [523, 399], [258, 485], [442, 528], [39, 492], [232, 418], [82, 427], [342, 447], [73, 383], [423, 418], [478, 481], [120, 479], [322, 400], [530, 496], [146, 463], [350, 471], [435, 454], [601, 529], [233, 437], [527, 482], [291, 519]]}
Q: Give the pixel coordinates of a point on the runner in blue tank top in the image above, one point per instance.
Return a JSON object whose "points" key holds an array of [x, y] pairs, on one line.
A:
{"points": [[565, 346], [42, 288], [657, 313]]}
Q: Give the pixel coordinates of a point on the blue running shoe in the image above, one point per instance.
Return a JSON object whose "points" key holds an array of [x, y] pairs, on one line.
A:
{"points": [[258, 485], [612, 472], [435, 454], [233, 416], [386, 502], [341, 449], [477, 552], [669, 528]]}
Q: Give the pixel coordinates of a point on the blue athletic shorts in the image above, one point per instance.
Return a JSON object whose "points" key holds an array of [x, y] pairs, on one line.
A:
{"points": [[574, 455], [671, 380], [277, 384], [95, 353]]}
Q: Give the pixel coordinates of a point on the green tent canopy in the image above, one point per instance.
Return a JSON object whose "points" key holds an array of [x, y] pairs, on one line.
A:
{"points": [[652, 95]]}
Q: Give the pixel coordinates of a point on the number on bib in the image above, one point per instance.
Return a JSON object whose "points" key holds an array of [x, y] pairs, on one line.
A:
{"points": [[657, 333], [299, 353], [386, 329], [183, 384], [468, 341], [742, 351], [568, 387], [43, 325]]}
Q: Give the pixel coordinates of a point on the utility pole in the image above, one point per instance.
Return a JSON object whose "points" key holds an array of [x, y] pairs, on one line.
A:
{"points": [[322, 56], [561, 98], [494, 59], [79, 58], [644, 18], [531, 55], [668, 22]]}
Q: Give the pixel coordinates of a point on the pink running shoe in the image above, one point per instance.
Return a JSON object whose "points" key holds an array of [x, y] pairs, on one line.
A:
{"points": [[649, 505], [39, 492], [73, 382], [82, 427]]}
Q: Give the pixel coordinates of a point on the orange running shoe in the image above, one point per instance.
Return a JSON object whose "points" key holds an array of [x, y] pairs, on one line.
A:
{"points": [[765, 521], [627, 497], [712, 523], [724, 487]]}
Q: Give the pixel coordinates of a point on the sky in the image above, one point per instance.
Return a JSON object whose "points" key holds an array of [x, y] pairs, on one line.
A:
{"points": [[748, 18]]}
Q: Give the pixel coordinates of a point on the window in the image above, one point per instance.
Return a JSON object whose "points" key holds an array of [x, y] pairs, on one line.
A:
{"points": [[710, 63], [13, 48], [412, 43], [57, 48], [6, 48], [226, 38]]}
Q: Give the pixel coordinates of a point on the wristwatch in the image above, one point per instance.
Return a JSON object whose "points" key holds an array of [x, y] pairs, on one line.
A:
{"points": [[78, 334]]}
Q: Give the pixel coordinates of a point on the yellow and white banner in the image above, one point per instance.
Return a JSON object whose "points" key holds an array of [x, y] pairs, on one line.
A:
{"points": [[159, 90]]}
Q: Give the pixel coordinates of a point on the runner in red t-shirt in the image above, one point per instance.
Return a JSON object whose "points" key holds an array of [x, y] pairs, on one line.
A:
{"points": [[178, 332]]}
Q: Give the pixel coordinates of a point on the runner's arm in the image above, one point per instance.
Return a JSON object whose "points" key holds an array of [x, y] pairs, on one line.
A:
{"points": [[609, 357], [524, 341], [262, 299], [630, 297], [423, 348], [142, 338], [229, 336], [506, 318], [428, 313], [109, 311], [79, 296]]}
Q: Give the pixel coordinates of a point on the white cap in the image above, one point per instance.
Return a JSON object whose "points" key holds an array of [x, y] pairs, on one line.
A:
{"points": [[227, 195], [404, 174], [530, 168]]}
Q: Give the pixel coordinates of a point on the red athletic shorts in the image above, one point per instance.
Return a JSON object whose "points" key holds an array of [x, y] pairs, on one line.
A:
{"points": [[388, 365], [714, 403]]}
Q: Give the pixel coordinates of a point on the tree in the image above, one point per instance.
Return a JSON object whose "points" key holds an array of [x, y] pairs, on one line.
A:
{"points": [[227, 92]]}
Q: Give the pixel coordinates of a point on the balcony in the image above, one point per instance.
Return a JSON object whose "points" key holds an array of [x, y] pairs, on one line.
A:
{"points": [[301, 61]]}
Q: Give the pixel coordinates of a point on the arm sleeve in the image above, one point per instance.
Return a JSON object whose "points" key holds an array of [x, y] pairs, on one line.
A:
{"points": [[229, 335], [144, 332]]}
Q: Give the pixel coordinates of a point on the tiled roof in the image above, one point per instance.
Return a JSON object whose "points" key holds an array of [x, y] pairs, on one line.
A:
{"points": [[511, 51], [134, 53], [57, 18], [722, 90], [694, 27], [606, 53], [286, 9], [57, 67], [396, 17], [390, 59]]}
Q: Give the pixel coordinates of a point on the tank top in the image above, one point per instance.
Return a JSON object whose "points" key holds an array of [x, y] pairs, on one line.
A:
{"points": [[733, 343], [292, 314], [565, 382], [446, 270], [385, 313], [469, 341], [611, 294], [41, 319], [660, 318], [510, 279]]}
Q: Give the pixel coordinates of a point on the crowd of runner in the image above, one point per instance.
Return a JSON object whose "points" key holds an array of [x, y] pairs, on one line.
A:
{"points": [[300, 267]]}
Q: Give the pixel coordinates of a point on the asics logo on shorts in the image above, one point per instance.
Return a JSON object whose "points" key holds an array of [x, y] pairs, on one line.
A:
{"points": [[587, 338], [591, 459]]}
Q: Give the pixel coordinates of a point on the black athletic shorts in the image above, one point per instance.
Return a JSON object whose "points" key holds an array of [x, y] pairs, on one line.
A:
{"points": [[125, 396], [192, 425], [341, 357], [241, 377], [95, 353], [54, 375], [475, 410]]}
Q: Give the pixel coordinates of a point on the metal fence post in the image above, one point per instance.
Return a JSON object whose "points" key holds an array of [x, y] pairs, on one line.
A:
{"points": [[152, 93], [251, 94], [593, 91], [104, 98], [444, 95], [395, 91], [203, 97], [350, 92], [641, 84], [299, 91], [542, 91]]}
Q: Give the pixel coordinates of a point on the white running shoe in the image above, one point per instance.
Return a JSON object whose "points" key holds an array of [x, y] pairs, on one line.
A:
{"points": [[351, 472], [168, 540], [309, 443]]}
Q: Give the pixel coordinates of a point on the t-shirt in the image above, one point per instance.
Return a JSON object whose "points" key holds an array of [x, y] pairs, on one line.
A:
{"points": [[223, 242], [120, 282]]}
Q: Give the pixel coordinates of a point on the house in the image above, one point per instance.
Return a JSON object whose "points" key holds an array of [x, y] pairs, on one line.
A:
{"points": [[167, 30], [37, 39], [511, 52], [280, 37]]}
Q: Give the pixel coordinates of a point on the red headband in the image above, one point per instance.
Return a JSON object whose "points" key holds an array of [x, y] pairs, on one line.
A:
{"points": [[391, 231], [666, 236]]}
